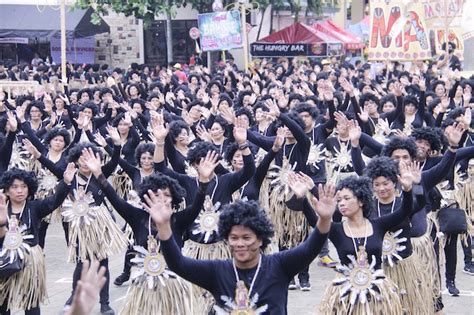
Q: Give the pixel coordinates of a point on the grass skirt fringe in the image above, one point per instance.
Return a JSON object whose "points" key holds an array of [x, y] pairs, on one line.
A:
{"points": [[27, 288], [203, 300], [416, 295], [387, 303], [423, 249], [173, 298], [99, 239], [291, 227]]}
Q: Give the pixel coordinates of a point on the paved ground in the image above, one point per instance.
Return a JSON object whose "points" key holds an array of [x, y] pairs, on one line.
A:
{"points": [[59, 279]]}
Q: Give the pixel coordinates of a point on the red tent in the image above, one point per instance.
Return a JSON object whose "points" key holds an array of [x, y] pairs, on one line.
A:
{"points": [[299, 33], [331, 29]]}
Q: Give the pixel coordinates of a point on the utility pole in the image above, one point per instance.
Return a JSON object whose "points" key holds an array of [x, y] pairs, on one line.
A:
{"points": [[63, 42]]}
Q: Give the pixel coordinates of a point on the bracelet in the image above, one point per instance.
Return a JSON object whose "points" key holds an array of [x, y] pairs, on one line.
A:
{"points": [[454, 147], [243, 146]]}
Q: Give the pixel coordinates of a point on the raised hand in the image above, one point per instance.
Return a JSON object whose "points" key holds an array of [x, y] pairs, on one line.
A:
{"points": [[207, 165], [397, 89], [454, 134], [354, 132], [88, 287], [306, 179], [92, 161], [364, 115], [3, 209], [279, 139], [203, 134], [228, 114], [273, 107], [160, 131], [80, 120], [69, 173], [240, 132], [406, 177], [28, 146], [326, 205], [12, 123], [100, 140], [297, 185], [416, 170], [158, 206], [341, 118], [113, 134]]}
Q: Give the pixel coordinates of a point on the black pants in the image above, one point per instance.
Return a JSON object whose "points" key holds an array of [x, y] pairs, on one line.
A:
{"points": [[104, 292], [43, 227], [467, 249], [127, 264], [451, 256], [31, 311], [324, 250]]}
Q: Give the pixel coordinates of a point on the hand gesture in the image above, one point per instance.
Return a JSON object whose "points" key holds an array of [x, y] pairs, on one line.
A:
{"points": [[397, 89], [297, 185], [416, 170], [454, 134], [240, 132], [467, 118], [273, 107], [92, 161], [3, 209], [341, 118], [279, 139], [12, 123], [354, 132], [128, 119], [383, 125], [159, 130], [228, 114], [207, 165], [87, 291], [203, 134], [406, 177], [328, 93], [69, 173], [28, 146], [158, 206], [100, 140], [326, 205], [80, 120], [113, 134], [364, 116]]}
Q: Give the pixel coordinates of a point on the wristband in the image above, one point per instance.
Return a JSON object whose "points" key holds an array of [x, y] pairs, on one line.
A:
{"points": [[454, 147], [243, 146]]}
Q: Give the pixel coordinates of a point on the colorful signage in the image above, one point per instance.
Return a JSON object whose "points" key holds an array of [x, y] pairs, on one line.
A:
{"points": [[220, 30]]}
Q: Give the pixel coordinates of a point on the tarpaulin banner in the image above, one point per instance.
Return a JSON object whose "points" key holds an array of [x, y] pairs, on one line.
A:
{"points": [[78, 50], [439, 14], [220, 30], [398, 31], [290, 50]]}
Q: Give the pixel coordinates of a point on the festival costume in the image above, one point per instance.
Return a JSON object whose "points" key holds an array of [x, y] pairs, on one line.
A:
{"points": [[26, 289], [259, 290]]}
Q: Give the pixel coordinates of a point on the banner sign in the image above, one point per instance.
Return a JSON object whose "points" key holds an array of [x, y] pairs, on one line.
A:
{"points": [[289, 50], [437, 14], [13, 40], [78, 50], [220, 30], [398, 31]]}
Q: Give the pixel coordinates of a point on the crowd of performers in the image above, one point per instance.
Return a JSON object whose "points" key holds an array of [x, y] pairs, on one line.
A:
{"points": [[232, 183]]}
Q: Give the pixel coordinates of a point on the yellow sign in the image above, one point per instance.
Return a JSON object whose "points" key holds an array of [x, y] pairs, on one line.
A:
{"points": [[398, 31]]}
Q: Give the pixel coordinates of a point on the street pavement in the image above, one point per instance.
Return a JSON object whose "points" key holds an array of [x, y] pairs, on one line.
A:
{"points": [[59, 282]]}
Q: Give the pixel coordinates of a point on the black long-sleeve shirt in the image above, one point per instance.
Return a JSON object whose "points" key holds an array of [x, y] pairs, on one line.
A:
{"points": [[6, 150], [271, 283], [37, 209], [138, 218]]}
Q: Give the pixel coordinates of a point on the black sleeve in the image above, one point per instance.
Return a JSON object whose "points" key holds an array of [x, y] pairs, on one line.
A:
{"points": [[295, 259], [262, 169], [266, 143], [187, 216], [100, 121], [357, 161], [109, 168], [370, 142], [49, 204], [295, 129], [128, 212], [199, 272], [397, 113], [6, 151], [393, 219], [33, 137], [438, 173], [52, 167], [128, 168], [238, 179]]}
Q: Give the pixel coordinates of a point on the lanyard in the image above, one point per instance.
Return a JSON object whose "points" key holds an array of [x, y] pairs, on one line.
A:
{"points": [[391, 211], [254, 276], [353, 238]]}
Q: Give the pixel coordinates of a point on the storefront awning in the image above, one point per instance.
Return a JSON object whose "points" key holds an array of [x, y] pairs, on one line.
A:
{"points": [[31, 21]]}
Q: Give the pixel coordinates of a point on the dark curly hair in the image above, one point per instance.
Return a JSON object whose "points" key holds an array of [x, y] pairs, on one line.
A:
{"points": [[91, 105], [429, 134], [297, 119], [76, 151], [87, 91], [248, 214], [245, 111], [410, 99], [396, 143], [230, 152], [58, 132], [37, 104], [199, 150], [143, 148], [307, 108], [368, 97], [361, 187], [382, 166], [175, 128], [29, 178], [160, 181]]}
